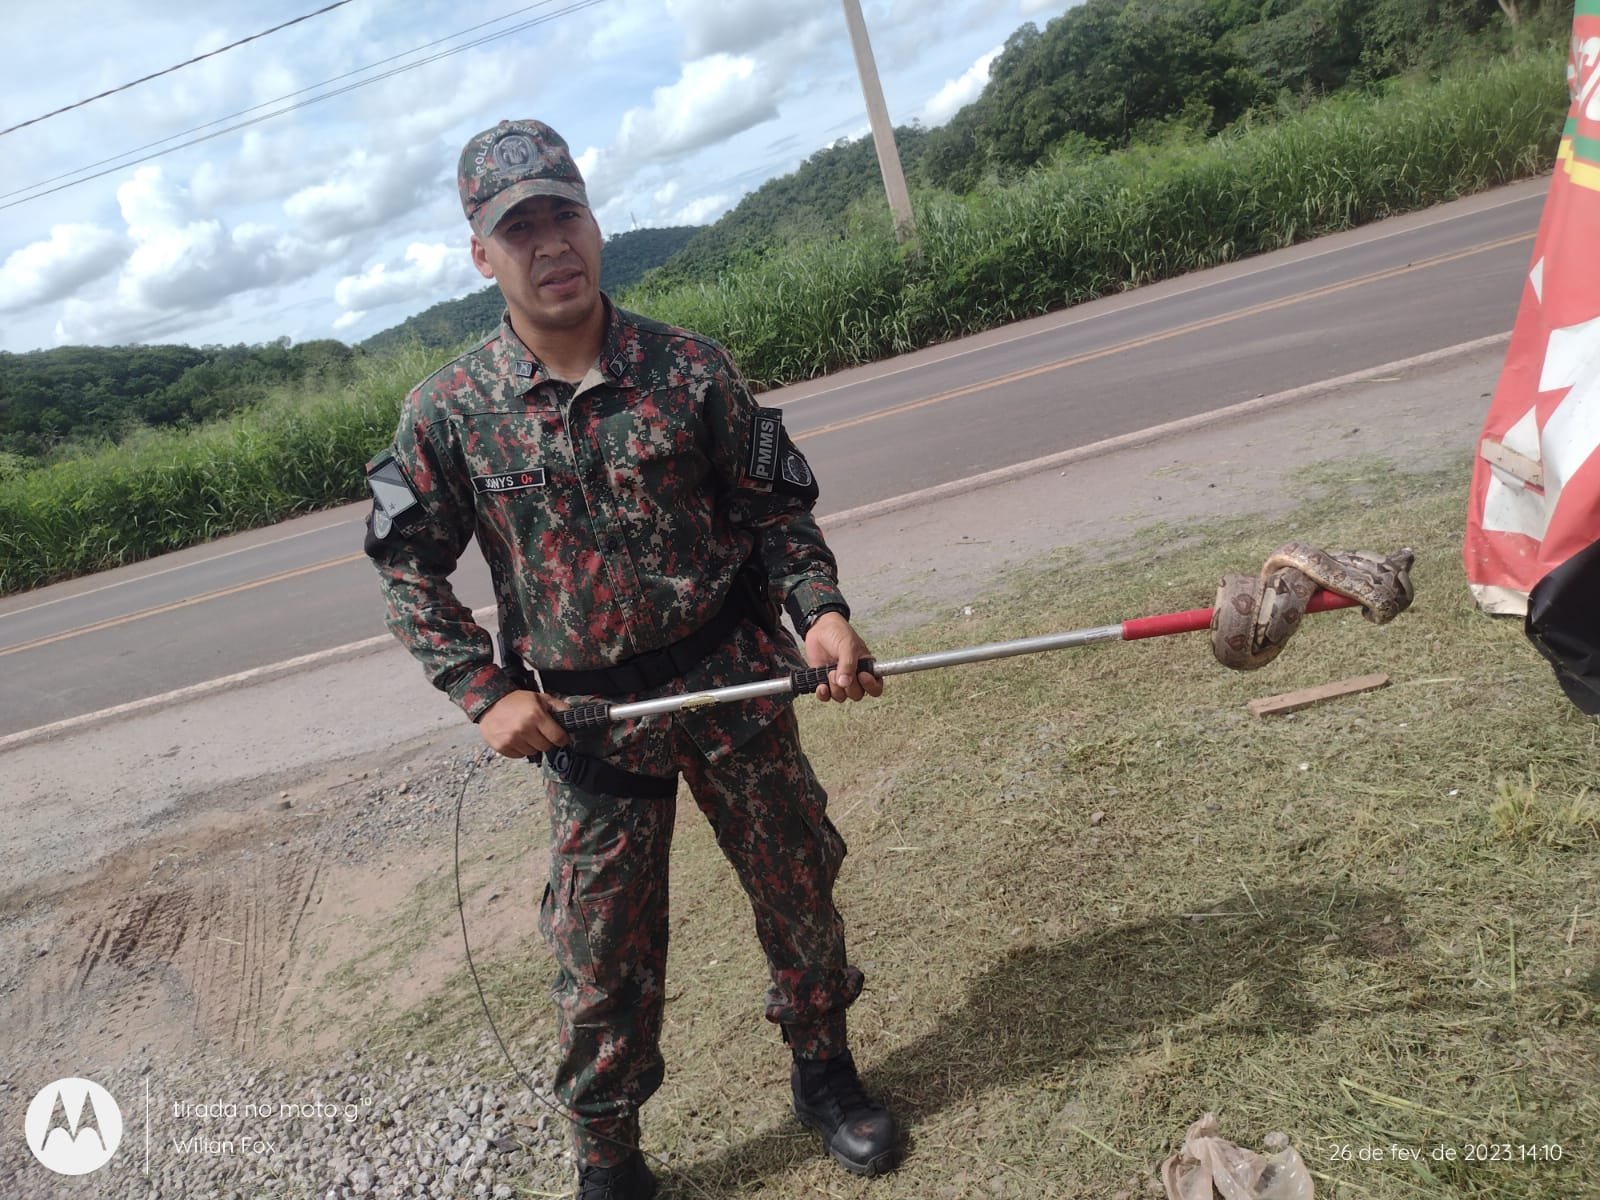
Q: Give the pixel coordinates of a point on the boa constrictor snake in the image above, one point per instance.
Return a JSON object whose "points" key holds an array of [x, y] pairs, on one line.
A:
{"points": [[1254, 616]]}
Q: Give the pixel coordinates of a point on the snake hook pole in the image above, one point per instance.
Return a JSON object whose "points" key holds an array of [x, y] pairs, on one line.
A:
{"points": [[595, 715]]}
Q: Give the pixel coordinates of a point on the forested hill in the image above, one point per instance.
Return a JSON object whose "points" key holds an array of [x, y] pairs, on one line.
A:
{"points": [[96, 393], [447, 323], [809, 203], [625, 259], [627, 256], [1099, 74], [1094, 79]]}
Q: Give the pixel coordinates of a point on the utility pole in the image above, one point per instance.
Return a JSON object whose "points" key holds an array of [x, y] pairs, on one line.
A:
{"points": [[894, 179]]}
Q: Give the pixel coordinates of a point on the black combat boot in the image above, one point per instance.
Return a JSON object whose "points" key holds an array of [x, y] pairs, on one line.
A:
{"points": [[628, 1180], [856, 1130]]}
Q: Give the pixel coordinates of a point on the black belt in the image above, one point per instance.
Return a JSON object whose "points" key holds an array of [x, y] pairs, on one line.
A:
{"points": [[644, 672], [598, 777]]}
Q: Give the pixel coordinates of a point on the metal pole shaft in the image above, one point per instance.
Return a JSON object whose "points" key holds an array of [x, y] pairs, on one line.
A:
{"points": [[886, 667], [993, 650]]}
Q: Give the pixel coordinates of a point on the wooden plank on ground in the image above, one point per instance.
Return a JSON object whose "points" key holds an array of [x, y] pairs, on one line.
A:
{"points": [[1287, 702]]}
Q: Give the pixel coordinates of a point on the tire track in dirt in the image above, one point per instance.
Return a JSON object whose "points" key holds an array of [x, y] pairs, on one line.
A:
{"points": [[261, 922], [198, 953]]}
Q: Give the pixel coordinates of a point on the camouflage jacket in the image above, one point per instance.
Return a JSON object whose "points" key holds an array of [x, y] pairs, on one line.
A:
{"points": [[614, 517]]}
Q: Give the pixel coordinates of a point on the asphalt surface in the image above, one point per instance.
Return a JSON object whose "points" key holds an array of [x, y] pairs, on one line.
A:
{"points": [[1189, 346]]}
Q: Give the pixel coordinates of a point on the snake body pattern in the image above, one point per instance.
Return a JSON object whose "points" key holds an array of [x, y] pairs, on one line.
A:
{"points": [[1254, 616]]}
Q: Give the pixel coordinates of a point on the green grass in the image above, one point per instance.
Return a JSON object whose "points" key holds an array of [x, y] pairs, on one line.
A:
{"points": [[162, 491], [1371, 924]]}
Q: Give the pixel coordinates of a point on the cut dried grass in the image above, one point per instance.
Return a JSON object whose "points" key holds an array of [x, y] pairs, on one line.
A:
{"points": [[1374, 924]]}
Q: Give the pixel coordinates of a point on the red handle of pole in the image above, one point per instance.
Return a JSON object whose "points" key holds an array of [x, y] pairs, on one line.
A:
{"points": [[1200, 618]]}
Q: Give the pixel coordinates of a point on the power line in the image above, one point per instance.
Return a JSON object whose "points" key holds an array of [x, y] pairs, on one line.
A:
{"points": [[169, 70], [125, 161], [125, 154]]}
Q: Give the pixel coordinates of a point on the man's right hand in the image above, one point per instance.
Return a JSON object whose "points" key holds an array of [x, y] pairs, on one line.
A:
{"points": [[520, 724]]}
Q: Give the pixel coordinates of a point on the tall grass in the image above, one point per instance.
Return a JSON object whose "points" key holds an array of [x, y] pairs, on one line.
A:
{"points": [[164, 490], [1059, 236], [1066, 234]]}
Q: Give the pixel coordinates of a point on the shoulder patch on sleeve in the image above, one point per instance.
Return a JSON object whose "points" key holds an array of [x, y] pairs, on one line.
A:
{"points": [[766, 439], [796, 470], [393, 498], [796, 477]]}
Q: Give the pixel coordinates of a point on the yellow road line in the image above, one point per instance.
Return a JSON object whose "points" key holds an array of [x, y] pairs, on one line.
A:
{"points": [[113, 622], [1152, 339], [184, 566]]}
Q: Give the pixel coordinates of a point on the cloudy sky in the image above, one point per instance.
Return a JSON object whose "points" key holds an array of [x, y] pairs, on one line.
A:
{"points": [[340, 218]]}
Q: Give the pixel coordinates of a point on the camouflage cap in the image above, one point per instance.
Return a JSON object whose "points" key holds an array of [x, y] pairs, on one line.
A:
{"points": [[503, 166]]}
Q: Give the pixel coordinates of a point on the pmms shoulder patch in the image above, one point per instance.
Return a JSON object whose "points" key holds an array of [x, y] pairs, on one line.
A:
{"points": [[766, 437]]}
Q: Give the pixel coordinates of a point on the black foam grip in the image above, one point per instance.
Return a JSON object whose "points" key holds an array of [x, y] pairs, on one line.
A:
{"points": [[584, 716], [812, 678]]}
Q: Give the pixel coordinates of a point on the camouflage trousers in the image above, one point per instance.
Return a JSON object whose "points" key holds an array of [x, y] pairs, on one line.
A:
{"points": [[604, 916]]}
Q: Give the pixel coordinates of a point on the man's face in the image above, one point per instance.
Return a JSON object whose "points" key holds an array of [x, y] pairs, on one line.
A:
{"points": [[545, 255]]}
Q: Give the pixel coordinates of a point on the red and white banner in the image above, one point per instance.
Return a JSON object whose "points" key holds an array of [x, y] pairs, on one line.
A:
{"points": [[1536, 481]]}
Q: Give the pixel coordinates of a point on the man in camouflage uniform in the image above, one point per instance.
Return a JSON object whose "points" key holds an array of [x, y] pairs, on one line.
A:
{"points": [[643, 520]]}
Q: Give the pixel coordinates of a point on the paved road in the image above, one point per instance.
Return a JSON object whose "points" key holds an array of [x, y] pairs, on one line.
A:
{"points": [[1187, 346]]}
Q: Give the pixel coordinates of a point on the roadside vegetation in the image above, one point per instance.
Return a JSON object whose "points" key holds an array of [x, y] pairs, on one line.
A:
{"points": [[164, 489], [1095, 898], [1082, 221], [76, 400], [1109, 73], [1084, 227]]}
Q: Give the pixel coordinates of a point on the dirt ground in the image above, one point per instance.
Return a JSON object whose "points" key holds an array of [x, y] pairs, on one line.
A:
{"points": [[216, 930]]}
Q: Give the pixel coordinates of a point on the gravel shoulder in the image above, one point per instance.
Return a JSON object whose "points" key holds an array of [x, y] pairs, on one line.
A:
{"points": [[235, 901]]}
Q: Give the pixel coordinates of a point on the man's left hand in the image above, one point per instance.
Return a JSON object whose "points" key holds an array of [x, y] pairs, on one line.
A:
{"points": [[833, 640]]}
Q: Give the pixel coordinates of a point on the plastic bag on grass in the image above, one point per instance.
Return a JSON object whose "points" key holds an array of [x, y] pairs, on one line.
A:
{"points": [[1209, 1166]]}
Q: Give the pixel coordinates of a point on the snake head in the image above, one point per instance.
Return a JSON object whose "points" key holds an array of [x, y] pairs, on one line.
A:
{"points": [[1387, 591], [1403, 559]]}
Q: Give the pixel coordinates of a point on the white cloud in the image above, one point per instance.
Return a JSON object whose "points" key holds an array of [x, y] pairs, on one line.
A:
{"points": [[1032, 8], [909, 27], [715, 98], [271, 162], [367, 190], [458, 96], [182, 260], [345, 320], [712, 100], [183, 266], [957, 93], [192, 97], [588, 163], [429, 273], [43, 272], [734, 26], [702, 211], [626, 28], [147, 204]]}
